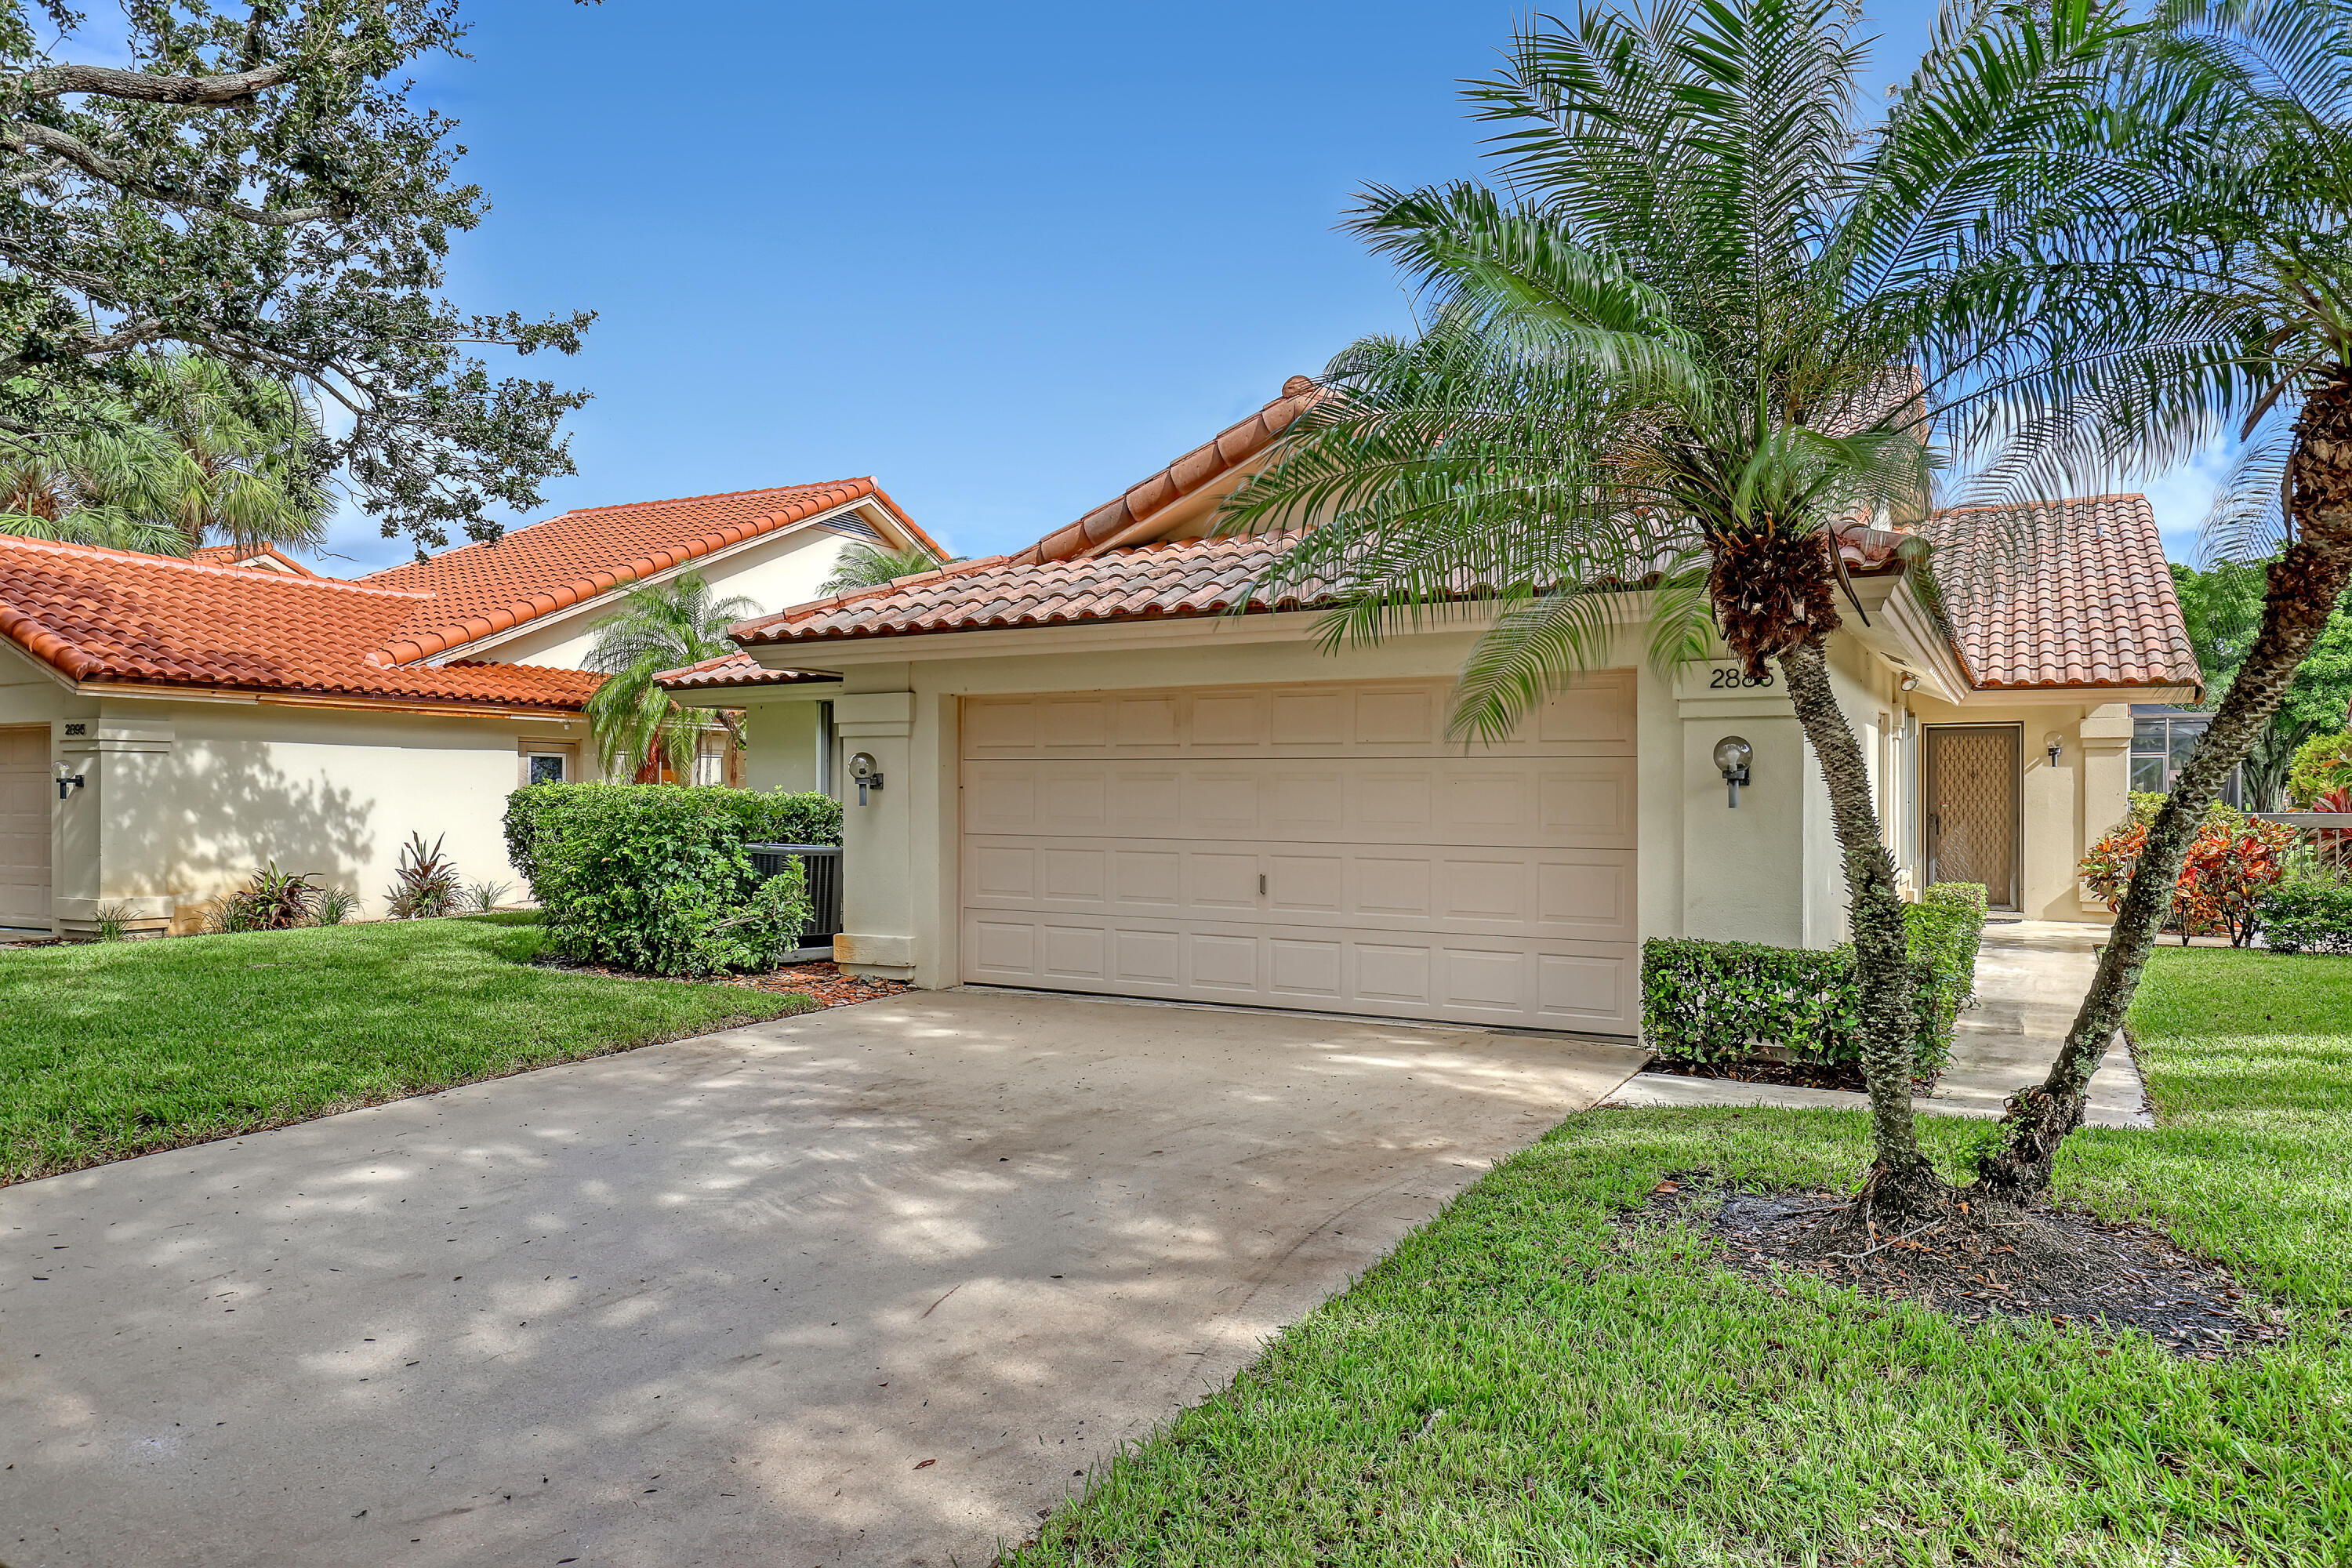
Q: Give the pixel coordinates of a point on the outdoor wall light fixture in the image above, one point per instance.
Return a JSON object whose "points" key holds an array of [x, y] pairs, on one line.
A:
{"points": [[66, 781], [1910, 681], [1732, 755], [862, 769], [2052, 744]]}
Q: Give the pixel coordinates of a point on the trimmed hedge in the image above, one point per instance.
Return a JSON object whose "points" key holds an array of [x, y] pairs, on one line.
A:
{"points": [[2308, 917], [654, 877], [1717, 1001], [766, 817]]}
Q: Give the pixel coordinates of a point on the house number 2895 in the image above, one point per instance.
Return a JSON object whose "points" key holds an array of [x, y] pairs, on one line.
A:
{"points": [[1735, 678]]}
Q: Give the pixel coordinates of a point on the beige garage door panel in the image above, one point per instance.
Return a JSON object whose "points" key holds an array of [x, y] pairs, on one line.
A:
{"points": [[1583, 801], [1319, 847], [1530, 985], [1571, 895], [25, 795], [1384, 717]]}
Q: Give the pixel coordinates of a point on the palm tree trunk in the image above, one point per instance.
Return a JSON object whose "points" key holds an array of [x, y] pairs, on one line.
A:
{"points": [[1901, 1180], [2303, 585]]}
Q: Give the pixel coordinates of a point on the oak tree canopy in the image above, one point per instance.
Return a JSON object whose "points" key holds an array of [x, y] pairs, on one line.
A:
{"points": [[257, 186]]}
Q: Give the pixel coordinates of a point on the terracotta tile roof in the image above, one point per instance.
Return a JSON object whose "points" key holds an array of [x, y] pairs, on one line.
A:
{"points": [[1137, 516], [479, 590], [731, 669], [1150, 582], [1180, 578], [2062, 594], [2084, 599], [230, 556], [117, 616]]}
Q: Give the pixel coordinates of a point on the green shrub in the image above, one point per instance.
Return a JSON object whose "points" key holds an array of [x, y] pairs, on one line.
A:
{"points": [[2322, 763], [765, 816], [654, 877], [2308, 916], [2146, 802], [1717, 1001], [1943, 931]]}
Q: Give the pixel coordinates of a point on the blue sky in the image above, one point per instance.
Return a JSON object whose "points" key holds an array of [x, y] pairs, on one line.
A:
{"points": [[1007, 259]]}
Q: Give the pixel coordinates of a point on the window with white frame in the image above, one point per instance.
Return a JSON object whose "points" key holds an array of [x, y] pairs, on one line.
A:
{"points": [[2162, 738]]}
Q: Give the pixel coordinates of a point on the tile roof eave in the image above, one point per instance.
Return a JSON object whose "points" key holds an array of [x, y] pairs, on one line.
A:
{"points": [[1033, 622], [307, 696]]}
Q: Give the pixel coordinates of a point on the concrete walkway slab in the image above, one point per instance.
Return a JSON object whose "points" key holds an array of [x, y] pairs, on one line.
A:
{"points": [[2030, 976], [873, 1286]]}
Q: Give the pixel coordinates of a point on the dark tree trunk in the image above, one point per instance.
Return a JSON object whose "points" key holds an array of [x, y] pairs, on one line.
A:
{"points": [[2303, 585], [1902, 1182]]}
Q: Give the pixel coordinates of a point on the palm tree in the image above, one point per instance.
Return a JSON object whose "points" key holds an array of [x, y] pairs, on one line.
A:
{"points": [[2252, 100], [663, 626], [1714, 321], [240, 459], [193, 452], [865, 565], [69, 490]]}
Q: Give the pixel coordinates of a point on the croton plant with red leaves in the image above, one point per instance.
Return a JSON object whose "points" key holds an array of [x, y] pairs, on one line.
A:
{"points": [[2231, 863]]}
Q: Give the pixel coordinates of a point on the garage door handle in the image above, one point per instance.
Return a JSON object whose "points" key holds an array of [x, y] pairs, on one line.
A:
{"points": [[1261, 884]]}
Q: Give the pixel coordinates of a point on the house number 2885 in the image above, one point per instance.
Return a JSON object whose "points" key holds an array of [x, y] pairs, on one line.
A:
{"points": [[1733, 678]]}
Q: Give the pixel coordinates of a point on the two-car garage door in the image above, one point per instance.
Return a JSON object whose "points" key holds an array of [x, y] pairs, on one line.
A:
{"points": [[1315, 847]]}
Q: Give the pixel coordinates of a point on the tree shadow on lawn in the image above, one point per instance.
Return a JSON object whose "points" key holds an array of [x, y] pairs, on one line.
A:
{"points": [[1531, 1378]]}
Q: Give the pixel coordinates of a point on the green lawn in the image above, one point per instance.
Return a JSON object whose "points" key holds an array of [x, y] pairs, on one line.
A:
{"points": [[1521, 1383], [111, 1050]]}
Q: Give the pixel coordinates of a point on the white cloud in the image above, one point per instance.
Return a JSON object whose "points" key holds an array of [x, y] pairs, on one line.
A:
{"points": [[2181, 496]]}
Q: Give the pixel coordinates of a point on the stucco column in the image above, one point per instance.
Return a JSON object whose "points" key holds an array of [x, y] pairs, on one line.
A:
{"points": [[98, 821], [1744, 869], [878, 910], [2106, 734]]}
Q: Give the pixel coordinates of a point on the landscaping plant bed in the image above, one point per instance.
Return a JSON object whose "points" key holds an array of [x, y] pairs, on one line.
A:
{"points": [[1802, 1075], [823, 982], [2067, 1269]]}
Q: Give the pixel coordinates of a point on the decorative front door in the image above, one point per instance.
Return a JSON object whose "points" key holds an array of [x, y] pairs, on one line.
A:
{"points": [[1971, 808]]}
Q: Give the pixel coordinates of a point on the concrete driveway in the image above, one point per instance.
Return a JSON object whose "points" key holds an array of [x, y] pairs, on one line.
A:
{"points": [[874, 1286]]}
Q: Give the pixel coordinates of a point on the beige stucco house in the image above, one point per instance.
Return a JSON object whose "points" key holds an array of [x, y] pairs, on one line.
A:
{"points": [[168, 727], [1093, 776]]}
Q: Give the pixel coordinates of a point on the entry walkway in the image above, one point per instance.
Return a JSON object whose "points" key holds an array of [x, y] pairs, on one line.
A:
{"points": [[2030, 976]]}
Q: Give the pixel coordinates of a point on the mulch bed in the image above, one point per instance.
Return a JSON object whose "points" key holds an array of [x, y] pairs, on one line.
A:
{"points": [[2065, 1267], [1800, 1075], [822, 983]]}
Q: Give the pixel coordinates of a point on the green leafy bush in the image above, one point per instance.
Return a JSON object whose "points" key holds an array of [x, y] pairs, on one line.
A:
{"points": [[765, 816], [654, 877], [2311, 915], [1943, 931], [2322, 763], [1720, 1001]]}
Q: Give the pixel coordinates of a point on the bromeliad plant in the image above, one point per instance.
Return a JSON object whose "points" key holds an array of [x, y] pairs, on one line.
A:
{"points": [[272, 901], [425, 884], [1715, 318]]}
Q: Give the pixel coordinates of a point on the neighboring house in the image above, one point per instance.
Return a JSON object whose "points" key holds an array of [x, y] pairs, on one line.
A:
{"points": [[267, 558], [1094, 777], [207, 717]]}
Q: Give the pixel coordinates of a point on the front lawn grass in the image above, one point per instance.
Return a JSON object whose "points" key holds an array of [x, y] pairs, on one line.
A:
{"points": [[121, 1048], [1521, 1382]]}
